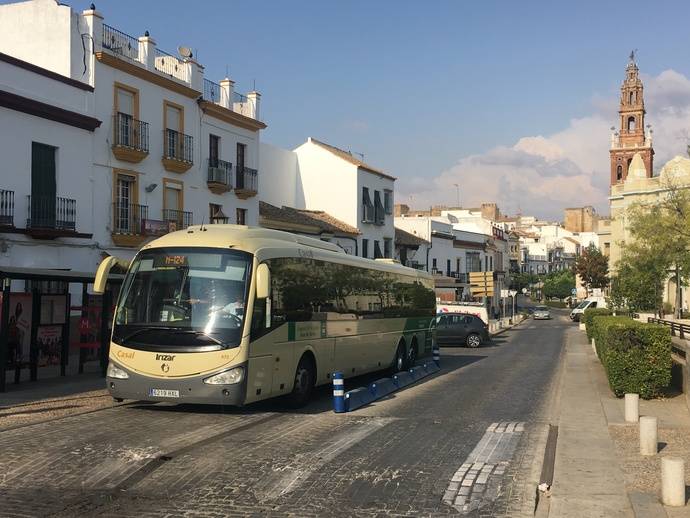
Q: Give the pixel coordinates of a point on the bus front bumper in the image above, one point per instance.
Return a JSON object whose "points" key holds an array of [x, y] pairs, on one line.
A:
{"points": [[177, 390]]}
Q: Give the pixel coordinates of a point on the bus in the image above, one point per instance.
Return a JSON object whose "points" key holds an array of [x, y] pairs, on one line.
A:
{"points": [[229, 314]]}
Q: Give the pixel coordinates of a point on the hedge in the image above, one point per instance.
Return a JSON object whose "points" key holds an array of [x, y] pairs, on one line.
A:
{"points": [[555, 304], [589, 314], [636, 356]]}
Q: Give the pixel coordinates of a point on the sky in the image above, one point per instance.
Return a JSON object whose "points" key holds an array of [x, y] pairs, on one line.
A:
{"points": [[512, 101]]}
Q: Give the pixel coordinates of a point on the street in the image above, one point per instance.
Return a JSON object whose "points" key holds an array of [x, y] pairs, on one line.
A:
{"points": [[465, 441]]}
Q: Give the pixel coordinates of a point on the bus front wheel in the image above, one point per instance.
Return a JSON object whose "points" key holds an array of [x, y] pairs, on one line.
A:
{"points": [[305, 377], [399, 360]]}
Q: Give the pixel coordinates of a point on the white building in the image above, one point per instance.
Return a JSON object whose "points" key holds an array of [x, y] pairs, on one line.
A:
{"points": [[164, 147], [318, 176]]}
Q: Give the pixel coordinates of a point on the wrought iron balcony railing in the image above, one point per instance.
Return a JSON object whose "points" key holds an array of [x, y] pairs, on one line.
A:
{"points": [[246, 179], [170, 65], [129, 218], [130, 132], [52, 213], [180, 218], [211, 91], [6, 208], [178, 146], [120, 43], [219, 172]]}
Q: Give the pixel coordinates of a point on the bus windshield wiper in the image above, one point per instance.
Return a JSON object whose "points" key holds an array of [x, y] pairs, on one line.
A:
{"points": [[196, 333]]}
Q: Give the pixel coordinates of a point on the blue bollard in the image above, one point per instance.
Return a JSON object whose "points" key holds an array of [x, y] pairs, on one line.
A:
{"points": [[436, 354], [338, 392]]}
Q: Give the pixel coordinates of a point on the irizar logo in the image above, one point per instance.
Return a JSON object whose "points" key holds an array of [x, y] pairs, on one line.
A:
{"points": [[165, 357]]}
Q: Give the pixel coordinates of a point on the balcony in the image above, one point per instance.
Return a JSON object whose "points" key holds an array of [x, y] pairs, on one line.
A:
{"points": [[51, 217], [129, 221], [219, 179], [170, 65], [120, 43], [246, 182], [177, 219], [6, 208], [178, 151], [130, 139]]}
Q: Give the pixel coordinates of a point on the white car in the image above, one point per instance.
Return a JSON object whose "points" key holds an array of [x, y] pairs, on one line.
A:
{"points": [[541, 313]]}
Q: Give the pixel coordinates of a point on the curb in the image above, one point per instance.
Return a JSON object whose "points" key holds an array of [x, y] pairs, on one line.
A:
{"points": [[504, 329]]}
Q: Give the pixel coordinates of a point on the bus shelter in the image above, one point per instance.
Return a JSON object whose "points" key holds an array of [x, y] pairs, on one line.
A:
{"points": [[35, 323]]}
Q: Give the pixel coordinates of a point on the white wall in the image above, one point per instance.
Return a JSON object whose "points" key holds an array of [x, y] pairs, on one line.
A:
{"points": [[280, 184]]}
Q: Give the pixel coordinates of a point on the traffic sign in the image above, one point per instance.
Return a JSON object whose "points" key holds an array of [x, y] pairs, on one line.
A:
{"points": [[573, 291]]}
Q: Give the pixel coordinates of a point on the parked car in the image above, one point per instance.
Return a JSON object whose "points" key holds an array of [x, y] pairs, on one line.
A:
{"points": [[541, 313], [461, 329], [588, 303]]}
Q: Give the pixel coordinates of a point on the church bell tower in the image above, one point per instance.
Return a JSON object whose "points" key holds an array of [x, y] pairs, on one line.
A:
{"points": [[632, 137]]}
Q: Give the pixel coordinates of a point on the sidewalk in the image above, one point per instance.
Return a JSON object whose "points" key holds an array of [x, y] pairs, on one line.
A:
{"points": [[599, 471]]}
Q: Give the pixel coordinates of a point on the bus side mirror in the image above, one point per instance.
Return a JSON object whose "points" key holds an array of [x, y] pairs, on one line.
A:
{"points": [[103, 271], [263, 281]]}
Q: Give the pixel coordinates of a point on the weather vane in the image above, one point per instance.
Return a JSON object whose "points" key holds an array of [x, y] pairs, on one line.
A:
{"points": [[632, 55]]}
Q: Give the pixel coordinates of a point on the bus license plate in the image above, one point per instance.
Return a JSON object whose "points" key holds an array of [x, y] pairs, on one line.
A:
{"points": [[164, 393]]}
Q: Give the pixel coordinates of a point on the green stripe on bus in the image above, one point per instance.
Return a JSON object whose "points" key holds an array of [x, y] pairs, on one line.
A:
{"points": [[291, 331]]}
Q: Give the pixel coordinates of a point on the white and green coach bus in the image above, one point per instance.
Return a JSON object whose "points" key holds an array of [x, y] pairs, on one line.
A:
{"points": [[228, 314]]}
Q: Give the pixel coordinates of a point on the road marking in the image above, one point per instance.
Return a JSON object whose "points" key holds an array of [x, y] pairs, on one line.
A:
{"points": [[289, 479], [478, 479]]}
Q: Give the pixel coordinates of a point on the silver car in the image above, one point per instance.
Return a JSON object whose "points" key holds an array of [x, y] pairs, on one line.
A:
{"points": [[541, 313]]}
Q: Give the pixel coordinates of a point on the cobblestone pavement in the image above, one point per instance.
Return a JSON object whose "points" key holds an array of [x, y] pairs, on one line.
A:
{"points": [[396, 457]]}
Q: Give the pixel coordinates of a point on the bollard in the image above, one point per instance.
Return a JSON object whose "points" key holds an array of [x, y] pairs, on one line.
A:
{"points": [[673, 481], [338, 392], [648, 435], [436, 354], [632, 408]]}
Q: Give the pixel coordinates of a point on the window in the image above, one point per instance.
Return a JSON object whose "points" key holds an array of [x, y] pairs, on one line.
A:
{"points": [[173, 203], [631, 98], [631, 123], [457, 265], [241, 216], [619, 172], [379, 214], [491, 264], [388, 201], [433, 265], [126, 111], [367, 206], [607, 249], [173, 119], [473, 262], [377, 250], [447, 267], [216, 214], [127, 214], [365, 248], [486, 263], [387, 247], [213, 150]]}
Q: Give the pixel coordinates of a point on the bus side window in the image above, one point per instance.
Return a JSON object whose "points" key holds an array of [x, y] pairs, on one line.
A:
{"points": [[258, 319]]}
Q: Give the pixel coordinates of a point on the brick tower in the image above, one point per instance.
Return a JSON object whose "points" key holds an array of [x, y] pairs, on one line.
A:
{"points": [[631, 138]]}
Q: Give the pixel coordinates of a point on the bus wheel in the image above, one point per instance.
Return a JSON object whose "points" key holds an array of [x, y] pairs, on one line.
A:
{"points": [[412, 355], [305, 377], [474, 340], [399, 360]]}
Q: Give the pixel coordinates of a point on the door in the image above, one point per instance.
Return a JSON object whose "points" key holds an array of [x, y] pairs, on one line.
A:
{"points": [[125, 116], [241, 148], [43, 185], [459, 328], [443, 325]]}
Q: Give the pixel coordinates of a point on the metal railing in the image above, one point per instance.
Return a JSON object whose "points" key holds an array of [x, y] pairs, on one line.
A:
{"points": [[170, 65], [128, 218], [239, 98], [211, 91], [120, 43], [219, 171], [52, 213], [246, 179], [182, 219], [178, 146], [677, 328], [130, 132], [6, 208]]}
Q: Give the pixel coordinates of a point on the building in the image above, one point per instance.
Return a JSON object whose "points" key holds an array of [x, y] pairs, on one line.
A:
{"points": [[144, 143], [631, 137], [580, 219], [319, 176]]}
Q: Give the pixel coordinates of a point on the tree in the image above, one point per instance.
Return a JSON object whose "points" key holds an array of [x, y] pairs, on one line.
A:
{"points": [[664, 229], [638, 283], [522, 280], [593, 268], [559, 284]]}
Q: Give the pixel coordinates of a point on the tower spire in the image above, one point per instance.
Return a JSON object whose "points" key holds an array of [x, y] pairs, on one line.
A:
{"points": [[631, 137]]}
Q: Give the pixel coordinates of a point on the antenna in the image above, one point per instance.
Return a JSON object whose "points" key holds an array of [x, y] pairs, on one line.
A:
{"points": [[201, 227], [254, 85], [185, 52], [227, 72]]}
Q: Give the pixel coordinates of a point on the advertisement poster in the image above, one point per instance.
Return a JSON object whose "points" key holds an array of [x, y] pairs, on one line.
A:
{"points": [[19, 328], [49, 343]]}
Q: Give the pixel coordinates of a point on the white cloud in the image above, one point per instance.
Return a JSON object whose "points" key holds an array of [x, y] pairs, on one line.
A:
{"points": [[541, 175]]}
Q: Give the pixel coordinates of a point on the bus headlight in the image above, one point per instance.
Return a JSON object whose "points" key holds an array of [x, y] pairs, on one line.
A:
{"points": [[116, 372], [229, 377]]}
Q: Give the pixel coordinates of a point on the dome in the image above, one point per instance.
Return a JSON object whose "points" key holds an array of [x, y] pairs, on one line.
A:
{"points": [[677, 167]]}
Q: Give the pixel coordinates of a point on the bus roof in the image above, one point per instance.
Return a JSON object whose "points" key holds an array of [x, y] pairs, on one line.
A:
{"points": [[267, 243]]}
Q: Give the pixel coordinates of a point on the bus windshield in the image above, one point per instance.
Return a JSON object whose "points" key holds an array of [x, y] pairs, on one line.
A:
{"points": [[190, 298]]}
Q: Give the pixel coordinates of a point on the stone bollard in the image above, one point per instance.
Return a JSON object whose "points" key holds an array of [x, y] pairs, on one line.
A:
{"points": [[648, 435], [632, 408], [673, 481]]}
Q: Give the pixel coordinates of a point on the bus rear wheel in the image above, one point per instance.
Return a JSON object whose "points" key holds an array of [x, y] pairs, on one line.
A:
{"points": [[399, 360], [305, 378]]}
